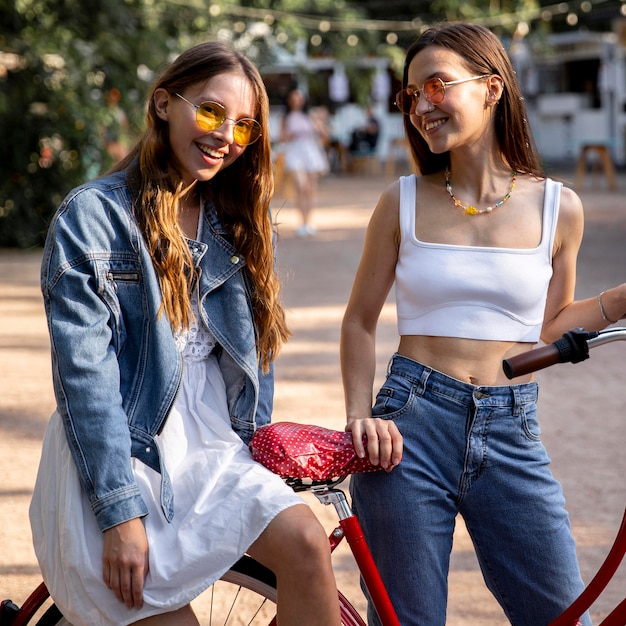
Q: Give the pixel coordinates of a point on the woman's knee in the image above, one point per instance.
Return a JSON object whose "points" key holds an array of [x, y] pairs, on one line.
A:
{"points": [[308, 538], [294, 535], [298, 530]]}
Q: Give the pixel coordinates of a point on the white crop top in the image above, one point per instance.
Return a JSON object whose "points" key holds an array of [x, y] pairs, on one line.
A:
{"points": [[468, 291]]}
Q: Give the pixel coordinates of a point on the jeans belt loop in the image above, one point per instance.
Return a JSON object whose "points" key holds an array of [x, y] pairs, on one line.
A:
{"points": [[422, 383], [517, 401]]}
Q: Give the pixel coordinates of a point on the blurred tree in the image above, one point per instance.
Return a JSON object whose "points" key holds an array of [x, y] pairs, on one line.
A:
{"points": [[59, 60]]}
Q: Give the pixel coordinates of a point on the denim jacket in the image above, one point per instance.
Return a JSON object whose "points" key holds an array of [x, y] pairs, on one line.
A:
{"points": [[116, 370]]}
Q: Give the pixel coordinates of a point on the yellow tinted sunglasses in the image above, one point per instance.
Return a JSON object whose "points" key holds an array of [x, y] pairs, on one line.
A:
{"points": [[211, 115]]}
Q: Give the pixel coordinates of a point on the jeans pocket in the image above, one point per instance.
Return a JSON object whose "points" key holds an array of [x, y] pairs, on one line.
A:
{"points": [[530, 423], [394, 398]]}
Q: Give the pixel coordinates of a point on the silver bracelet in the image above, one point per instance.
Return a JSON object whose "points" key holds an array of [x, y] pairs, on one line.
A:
{"points": [[604, 315]]}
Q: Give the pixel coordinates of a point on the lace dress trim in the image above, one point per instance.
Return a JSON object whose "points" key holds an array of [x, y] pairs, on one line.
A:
{"points": [[196, 343]]}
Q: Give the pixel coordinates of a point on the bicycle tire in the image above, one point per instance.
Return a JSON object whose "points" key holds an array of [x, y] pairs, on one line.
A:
{"points": [[245, 594], [38, 610], [258, 585], [43, 613], [52, 617]]}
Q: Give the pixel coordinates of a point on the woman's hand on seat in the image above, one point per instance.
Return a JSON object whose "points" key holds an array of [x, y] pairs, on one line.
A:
{"points": [[384, 441]]}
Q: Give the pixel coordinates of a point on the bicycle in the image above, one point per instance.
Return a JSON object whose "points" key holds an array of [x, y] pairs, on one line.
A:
{"points": [[252, 587], [246, 594]]}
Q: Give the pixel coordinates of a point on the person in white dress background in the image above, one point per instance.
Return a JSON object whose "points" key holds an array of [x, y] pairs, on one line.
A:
{"points": [[164, 317], [305, 159]]}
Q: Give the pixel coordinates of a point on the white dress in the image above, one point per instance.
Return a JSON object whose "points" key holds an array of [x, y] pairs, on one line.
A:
{"points": [[303, 151], [223, 501]]}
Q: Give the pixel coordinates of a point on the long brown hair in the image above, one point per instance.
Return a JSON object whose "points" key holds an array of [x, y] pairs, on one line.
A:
{"points": [[482, 53], [241, 194]]}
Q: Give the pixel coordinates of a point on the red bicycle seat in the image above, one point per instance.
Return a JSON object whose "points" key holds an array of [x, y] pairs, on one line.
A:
{"points": [[307, 451]]}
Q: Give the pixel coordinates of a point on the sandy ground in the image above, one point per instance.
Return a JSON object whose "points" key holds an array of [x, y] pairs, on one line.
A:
{"points": [[581, 405]]}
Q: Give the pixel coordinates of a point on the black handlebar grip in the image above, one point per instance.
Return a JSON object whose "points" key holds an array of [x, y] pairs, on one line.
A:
{"points": [[531, 361], [572, 347]]}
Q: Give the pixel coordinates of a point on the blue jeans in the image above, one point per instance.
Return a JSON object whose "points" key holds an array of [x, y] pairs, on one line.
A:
{"points": [[474, 451]]}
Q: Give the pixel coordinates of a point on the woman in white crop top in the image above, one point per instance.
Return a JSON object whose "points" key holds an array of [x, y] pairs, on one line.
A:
{"points": [[482, 249]]}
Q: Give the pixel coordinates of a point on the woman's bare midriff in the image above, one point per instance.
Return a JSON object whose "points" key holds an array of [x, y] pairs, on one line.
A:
{"points": [[472, 361]]}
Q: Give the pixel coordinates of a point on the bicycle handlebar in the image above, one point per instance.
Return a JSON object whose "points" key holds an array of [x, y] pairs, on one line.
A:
{"points": [[572, 347]]}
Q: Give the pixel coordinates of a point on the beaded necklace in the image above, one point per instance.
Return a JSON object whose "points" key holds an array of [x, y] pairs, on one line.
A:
{"points": [[472, 210]]}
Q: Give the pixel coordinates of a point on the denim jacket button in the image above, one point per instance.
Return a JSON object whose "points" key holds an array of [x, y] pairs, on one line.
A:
{"points": [[148, 450], [234, 259]]}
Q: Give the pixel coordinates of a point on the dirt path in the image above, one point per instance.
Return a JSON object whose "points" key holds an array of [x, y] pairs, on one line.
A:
{"points": [[581, 406]]}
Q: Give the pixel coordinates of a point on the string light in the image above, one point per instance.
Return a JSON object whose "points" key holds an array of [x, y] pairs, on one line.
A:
{"points": [[392, 27]]}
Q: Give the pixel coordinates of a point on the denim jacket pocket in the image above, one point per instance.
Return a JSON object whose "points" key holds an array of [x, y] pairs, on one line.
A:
{"points": [[120, 283]]}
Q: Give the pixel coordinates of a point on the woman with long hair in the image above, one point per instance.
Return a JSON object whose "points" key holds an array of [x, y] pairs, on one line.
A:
{"points": [[165, 317], [482, 248]]}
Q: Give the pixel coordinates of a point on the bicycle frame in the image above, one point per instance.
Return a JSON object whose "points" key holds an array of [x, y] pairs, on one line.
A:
{"points": [[617, 617], [350, 528], [30, 606]]}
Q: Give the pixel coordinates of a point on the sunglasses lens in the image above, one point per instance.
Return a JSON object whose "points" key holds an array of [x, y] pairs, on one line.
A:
{"points": [[405, 100], [246, 132], [210, 115], [434, 90]]}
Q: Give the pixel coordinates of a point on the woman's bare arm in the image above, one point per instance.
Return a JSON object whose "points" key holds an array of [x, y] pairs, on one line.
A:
{"points": [[372, 284], [563, 312]]}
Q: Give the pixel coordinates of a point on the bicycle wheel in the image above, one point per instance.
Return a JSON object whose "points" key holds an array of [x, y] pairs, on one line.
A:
{"points": [[52, 617], [246, 594]]}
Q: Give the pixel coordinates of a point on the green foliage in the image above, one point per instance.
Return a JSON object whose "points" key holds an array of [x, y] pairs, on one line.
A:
{"points": [[61, 58]]}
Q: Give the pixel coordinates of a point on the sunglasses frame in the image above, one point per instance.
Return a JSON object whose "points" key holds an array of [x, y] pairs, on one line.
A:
{"points": [[416, 94], [202, 124]]}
